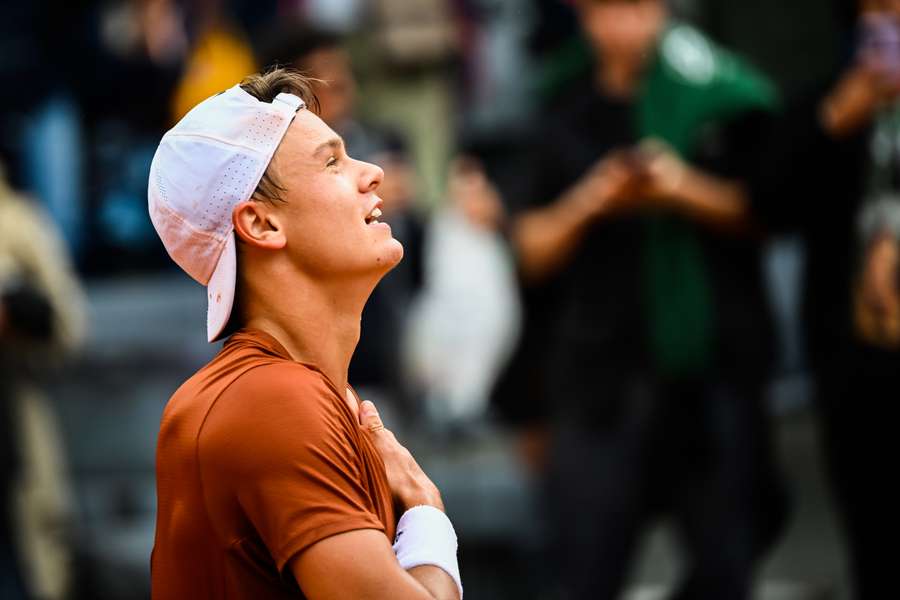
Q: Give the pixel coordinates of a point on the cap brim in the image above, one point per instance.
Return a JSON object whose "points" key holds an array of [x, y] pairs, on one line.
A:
{"points": [[220, 291]]}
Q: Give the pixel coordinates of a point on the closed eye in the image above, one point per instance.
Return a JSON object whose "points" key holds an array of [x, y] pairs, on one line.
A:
{"points": [[332, 161]]}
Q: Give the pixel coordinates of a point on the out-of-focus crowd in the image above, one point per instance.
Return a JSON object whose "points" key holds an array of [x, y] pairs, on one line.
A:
{"points": [[586, 191]]}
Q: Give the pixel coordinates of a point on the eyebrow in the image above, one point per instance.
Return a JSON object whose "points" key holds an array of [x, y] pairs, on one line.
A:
{"points": [[335, 143]]}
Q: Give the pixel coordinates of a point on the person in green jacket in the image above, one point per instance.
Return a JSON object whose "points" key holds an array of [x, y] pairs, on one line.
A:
{"points": [[643, 239]]}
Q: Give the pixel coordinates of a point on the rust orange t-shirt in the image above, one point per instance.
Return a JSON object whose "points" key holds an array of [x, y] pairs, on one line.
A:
{"points": [[258, 458]]}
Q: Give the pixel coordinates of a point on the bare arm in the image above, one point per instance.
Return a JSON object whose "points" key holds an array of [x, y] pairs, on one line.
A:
{"points": [[675, 185], [856, 98], [711, 200], [361, 565], [546, 238]]}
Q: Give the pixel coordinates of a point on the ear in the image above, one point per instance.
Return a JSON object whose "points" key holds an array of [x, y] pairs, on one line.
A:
{"points": [[256, 224]]}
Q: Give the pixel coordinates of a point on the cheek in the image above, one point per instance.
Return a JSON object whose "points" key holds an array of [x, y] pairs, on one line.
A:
{"points": [[316, 236]]}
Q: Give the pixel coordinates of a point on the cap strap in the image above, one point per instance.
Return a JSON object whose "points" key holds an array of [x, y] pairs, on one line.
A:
{"points": [[294, 102]]}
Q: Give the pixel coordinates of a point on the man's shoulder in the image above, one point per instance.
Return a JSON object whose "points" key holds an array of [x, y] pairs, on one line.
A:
{"points": [[279, 381], [235, 386], [271, 395], [271, 414]]}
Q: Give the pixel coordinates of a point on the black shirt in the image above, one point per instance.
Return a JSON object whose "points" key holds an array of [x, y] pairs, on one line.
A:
{"points": [[595, 307], [817, 185]]}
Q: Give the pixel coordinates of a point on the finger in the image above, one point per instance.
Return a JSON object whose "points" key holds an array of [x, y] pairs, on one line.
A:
{"points": [[369, 418]]}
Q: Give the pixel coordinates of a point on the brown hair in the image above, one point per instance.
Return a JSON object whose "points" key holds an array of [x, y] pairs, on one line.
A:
{"points": [[264, 87]]}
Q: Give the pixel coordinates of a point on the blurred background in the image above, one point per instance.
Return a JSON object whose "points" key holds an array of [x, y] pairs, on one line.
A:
{"points": [[646, 334]]}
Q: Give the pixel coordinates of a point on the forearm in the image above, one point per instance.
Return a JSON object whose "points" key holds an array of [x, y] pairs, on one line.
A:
{"points": [[436, 581], [851, 104], [425, 546], [544, 239], [713, 201]]}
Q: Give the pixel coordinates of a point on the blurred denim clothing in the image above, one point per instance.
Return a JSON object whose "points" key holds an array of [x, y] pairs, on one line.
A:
{"points": [[54, 165]]}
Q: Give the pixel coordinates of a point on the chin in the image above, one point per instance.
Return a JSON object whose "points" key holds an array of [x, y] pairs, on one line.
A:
{"points": [[393, 254]]}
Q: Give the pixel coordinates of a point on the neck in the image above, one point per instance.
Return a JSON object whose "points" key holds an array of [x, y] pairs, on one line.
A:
{"points": [[316, 323], [619, 77]]}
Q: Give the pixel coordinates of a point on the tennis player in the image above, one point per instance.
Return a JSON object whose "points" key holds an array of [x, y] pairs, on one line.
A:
{"points": [[274, 480]]}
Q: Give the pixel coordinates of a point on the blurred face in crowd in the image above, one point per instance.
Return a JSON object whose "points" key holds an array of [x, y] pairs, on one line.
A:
{"points": [[337, 93], [622, 29], [326, 222]]}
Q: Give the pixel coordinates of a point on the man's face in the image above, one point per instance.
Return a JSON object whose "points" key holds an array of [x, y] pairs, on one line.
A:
{"points": [[329, 202], [622, 29]]}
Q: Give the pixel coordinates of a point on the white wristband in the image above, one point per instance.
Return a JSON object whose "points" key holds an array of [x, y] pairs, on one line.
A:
{"points": [[425, 536]]}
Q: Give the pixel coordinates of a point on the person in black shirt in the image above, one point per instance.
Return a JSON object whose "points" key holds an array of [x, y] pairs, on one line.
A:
{"points": [[820, 172], [632, 436]]}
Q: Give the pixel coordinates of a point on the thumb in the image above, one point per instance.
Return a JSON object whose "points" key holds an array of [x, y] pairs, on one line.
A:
{"points": [[368, 416]]}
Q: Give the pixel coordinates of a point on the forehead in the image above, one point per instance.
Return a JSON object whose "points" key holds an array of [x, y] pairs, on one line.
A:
{"points": [[305, 133]]}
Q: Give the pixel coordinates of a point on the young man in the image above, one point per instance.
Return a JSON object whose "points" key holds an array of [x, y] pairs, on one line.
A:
{"points": [[829, 150], [320, 54], [274, 481]]}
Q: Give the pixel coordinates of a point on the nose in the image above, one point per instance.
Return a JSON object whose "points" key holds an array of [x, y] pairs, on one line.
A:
{"points": [[371, 177]]}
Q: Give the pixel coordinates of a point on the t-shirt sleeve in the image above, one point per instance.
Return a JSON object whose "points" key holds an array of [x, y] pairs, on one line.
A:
{"points": [[276, 451]]}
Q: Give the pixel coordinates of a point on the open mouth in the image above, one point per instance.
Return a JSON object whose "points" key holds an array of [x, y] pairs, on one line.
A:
{"points": [[373, 216]]}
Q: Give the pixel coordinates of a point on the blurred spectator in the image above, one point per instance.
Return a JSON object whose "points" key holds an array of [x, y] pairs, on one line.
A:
{"points": [[375, 369], [497, 78], [219, 56], [465, 322], [321, 54], [40, 129], [876, 296], [406, 68], [138, 47], [338, 15], [640, 240], [41, 319], [837, 145]]}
